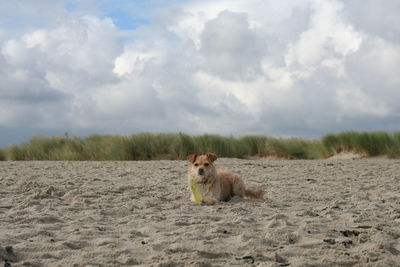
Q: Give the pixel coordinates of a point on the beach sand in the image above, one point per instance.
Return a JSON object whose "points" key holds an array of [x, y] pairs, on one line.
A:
{"points": [[335, 212]]}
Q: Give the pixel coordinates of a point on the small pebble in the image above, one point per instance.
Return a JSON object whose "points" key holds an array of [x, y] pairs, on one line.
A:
{"points": [[348, 233], [9, 249], [246, 258], [347, 243], [111, 245], [364, 226], [330, 241], [249, 258]]}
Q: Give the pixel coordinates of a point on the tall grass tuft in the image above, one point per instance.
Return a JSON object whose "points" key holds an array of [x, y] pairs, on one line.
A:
{"points": [[182, 146], [15, 152], [222, 146], [331, 143], [375, 143], [255, 145], [2, 155], [367, 143], [393, 151], [295, 148]]}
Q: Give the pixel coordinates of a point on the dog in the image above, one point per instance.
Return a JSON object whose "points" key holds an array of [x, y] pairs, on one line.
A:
{"points": [[217, 186]]}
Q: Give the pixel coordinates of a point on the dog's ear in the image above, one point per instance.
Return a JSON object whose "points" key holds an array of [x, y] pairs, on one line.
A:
{"points": [[211, 157], [192, 158]]}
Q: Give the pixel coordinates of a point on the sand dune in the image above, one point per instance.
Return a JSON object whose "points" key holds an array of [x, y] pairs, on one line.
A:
{"points": [[316, 213]]}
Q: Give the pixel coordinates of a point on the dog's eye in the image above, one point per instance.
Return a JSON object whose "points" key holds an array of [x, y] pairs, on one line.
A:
{"points": [[196, 164], [206, 164]]}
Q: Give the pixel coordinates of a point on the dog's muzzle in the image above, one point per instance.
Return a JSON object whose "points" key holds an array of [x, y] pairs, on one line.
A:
{"points": [[201, 171]]}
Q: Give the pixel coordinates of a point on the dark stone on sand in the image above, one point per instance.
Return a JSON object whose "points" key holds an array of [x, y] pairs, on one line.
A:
{"points": [[347, 243], [348, 233], [330, 241], [7, 254], [249, 258], [364, 226]]}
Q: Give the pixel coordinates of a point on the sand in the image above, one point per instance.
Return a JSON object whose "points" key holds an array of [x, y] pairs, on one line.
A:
{"points": [[315, 213]]}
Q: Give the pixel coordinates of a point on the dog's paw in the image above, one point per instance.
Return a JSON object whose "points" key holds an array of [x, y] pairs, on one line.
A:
{"points": [[209, 201]]}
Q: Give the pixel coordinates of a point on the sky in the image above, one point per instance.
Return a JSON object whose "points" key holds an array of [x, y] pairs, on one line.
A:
{"points": [[295, 68]]}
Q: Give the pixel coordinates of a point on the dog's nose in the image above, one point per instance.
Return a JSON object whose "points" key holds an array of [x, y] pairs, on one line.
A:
{"points": [[201, 171]]}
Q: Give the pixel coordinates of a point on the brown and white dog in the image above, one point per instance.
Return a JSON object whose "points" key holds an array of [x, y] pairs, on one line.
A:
{"points": [[217, 186]]}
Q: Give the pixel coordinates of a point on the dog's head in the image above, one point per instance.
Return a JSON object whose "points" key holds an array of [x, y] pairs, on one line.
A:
{"points": [[202, 169]]}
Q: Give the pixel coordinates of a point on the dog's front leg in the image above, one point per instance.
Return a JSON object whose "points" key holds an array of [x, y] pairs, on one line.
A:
{"points": [[209, 200]]}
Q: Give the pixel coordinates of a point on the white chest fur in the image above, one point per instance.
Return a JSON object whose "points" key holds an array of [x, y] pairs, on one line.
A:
{"points": [[210, 194]]}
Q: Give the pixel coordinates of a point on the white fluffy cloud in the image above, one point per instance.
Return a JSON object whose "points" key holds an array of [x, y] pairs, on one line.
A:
{"points": [[51, 74], [292, 68]]}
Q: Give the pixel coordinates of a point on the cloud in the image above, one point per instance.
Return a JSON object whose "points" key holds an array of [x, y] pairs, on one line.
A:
{"points": [[230, 49], [59, 67], [327, 41], [375, 19], [301, 68]]}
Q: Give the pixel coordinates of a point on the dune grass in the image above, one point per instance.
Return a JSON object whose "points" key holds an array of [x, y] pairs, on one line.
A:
{"points": [[148, 146], [369, 144], [2, 155], [295, 148]]}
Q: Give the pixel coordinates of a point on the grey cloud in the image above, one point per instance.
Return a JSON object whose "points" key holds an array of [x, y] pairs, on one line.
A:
{"points": [[57, 70], [230, 48], [376, 67], [26, 85], [375, 17]]}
